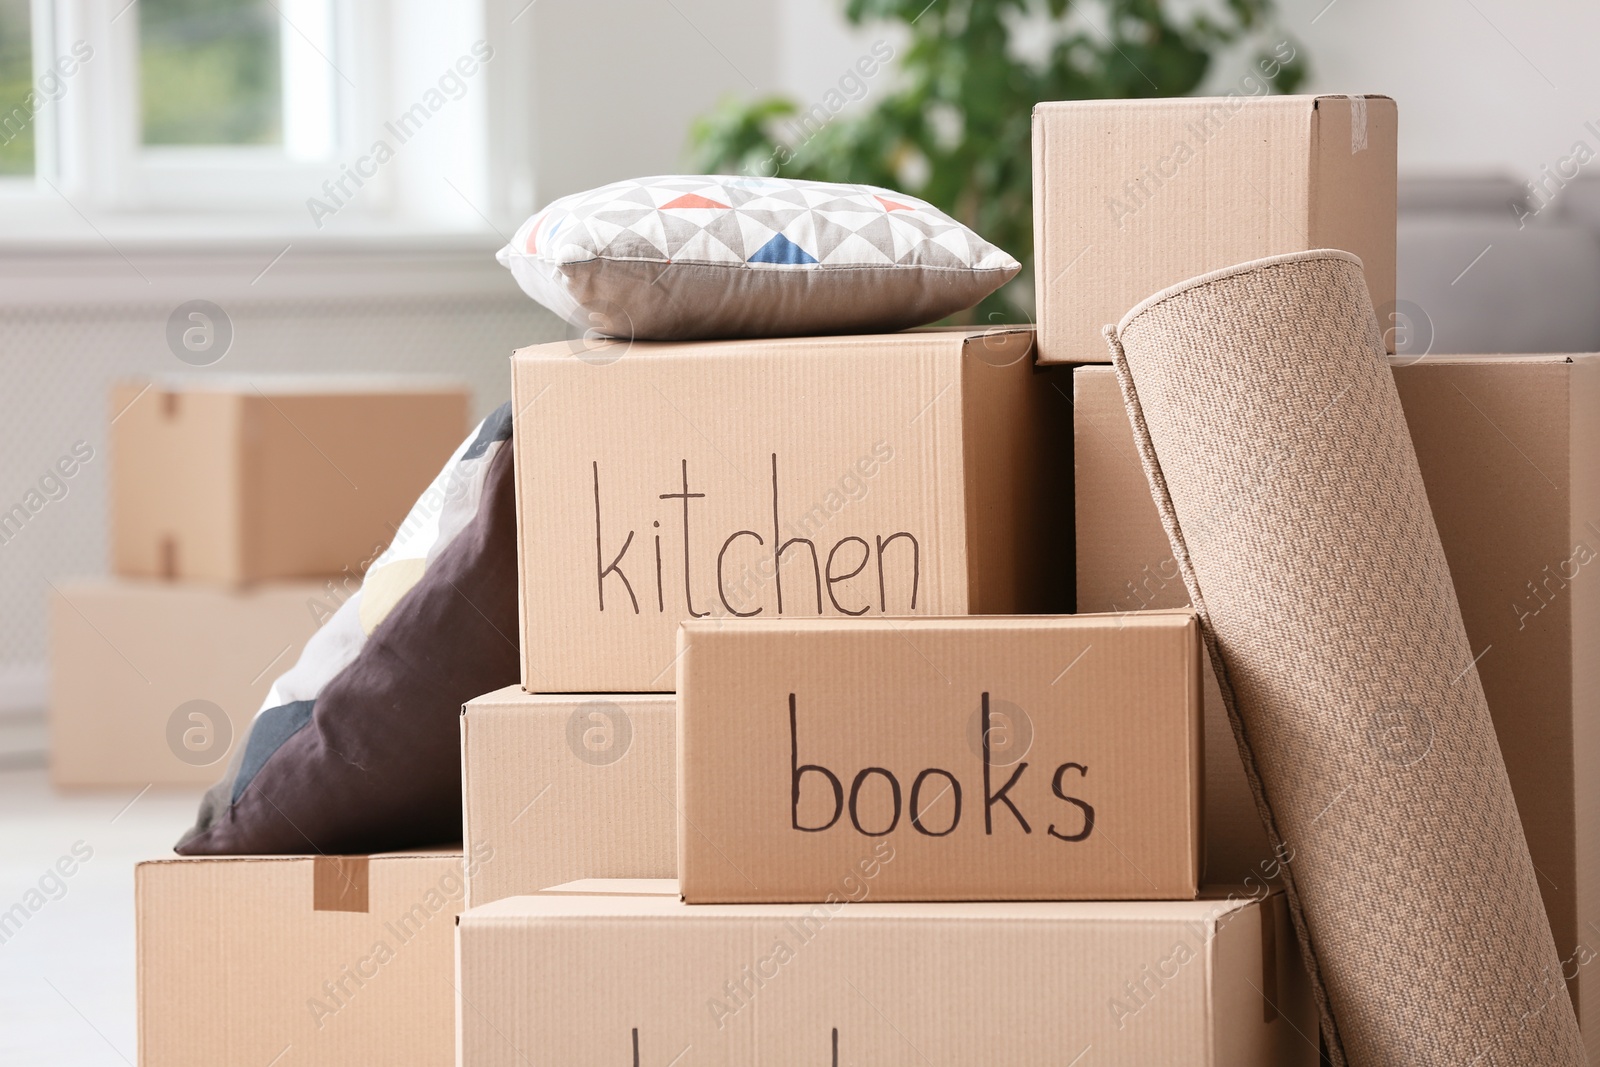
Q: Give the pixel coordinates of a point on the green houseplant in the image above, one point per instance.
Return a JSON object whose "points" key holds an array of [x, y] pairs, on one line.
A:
{"points": [[954, 128]]}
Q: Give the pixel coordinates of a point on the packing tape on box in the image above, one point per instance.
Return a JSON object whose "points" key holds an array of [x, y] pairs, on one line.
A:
{"points": [[339, 883], [1358, 124]]}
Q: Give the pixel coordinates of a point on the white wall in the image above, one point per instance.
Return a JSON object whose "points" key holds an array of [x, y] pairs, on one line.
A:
{"points": [[616, 83], [1484, 86]]}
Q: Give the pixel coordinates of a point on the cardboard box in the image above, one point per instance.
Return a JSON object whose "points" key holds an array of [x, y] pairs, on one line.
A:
{"points": [[1021, 758], [1510, 452], [897, 474], [1131, 196], [304, 960], [568, 787], [614, 973], [155, 683], [233, 480]]}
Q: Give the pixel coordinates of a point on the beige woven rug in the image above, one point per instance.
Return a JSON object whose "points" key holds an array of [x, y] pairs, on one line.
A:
{"points": [[1278, 454]]}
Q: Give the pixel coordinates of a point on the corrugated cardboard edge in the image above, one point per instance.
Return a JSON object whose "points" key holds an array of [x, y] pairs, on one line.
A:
{"points": [[247, 510], [518, 414], [993, 413], [1196, 699], [1583, 411], [1269, 960], [141, 964], [466, 809], [615, 887], [1158, 488], [1223, 901], [678, 739], [1042, 263], [1354, 165]]}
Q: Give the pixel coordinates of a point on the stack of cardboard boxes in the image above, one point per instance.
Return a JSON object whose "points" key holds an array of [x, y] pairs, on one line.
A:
{"points": [[947, 778], [242, 514], [810, 764]]}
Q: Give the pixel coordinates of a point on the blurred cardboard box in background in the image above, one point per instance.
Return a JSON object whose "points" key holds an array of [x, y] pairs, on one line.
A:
{"points": [[156, 682], [229, 480]]}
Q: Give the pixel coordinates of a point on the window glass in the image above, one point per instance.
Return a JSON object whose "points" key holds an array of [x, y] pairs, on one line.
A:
{"points": [[17, 107], [210, 72]]}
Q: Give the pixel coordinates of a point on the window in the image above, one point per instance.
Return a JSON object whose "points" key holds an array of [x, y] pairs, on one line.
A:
{"points": [[253, 115], [183, 105]]}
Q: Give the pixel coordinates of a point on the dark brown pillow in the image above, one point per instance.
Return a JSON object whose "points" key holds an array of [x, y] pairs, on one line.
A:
{"points": [[370, 762]]}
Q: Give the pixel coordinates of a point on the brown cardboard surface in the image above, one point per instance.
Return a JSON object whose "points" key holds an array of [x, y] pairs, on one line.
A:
{"points": [[127, 658], [1125, 563], [234, 480], [564, 978], [1583, 418], [563, 787], [1509, 448], [980, 758], [898, 474], [238, 963], [1131, 196]]}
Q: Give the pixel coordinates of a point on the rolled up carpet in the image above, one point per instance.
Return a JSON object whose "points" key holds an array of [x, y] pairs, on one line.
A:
{"points": [[1278, 454]]}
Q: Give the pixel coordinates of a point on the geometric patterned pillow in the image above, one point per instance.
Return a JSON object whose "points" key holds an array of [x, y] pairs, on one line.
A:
{"points": [[690, 257]]}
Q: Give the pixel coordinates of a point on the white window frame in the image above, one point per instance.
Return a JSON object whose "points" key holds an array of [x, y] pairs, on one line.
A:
{"points": [[92, 171], [102, 133], [232, 176]]}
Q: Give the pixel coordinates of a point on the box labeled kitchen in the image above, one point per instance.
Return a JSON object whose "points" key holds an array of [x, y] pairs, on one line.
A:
{"points": [[1132, 196], [568, 786], [1507, 447], [620, 972], [233, 480], [901, 474], [995, 758]]}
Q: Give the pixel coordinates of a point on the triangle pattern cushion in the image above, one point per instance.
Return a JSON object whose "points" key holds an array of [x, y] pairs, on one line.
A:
{"points": [[746, 256]]}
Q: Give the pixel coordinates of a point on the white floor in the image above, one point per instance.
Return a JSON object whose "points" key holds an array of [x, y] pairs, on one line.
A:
{"points": [[67, 971]]}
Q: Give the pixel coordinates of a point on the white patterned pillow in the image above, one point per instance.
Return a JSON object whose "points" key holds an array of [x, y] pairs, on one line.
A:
{"points": [[701, 256]]}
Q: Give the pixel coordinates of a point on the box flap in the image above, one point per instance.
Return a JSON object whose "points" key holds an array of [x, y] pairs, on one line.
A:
{"points": [[289, 384], [657, 898], [617, 887], [868, 346]]}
